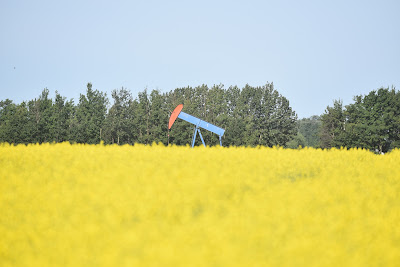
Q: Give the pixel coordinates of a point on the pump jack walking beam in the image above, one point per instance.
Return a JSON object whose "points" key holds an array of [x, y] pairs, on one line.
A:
{"points": [[178, 113]]}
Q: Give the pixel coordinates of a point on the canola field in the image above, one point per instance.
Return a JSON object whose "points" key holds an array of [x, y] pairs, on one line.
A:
{"points": [[96, 205]]}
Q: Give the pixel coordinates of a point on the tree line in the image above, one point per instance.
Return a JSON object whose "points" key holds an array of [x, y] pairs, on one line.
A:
{"points": [[251, 116], [371, 122]]}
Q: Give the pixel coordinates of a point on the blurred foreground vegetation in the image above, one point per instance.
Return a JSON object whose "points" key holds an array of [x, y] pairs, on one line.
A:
{"points": [[109, 205]]}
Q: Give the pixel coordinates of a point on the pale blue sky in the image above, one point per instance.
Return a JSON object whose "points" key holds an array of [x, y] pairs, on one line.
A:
{"points": [[313, 51]]}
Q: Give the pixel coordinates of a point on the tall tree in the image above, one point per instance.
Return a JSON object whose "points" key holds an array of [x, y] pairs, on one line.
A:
{"points": [[158, 118], [117, 123], [332, 127], [61, 113], [271, 121], [373, 121], [7, 109], [236, 120], [89, 116], [217, 107], [13, 121], [40, 111]]}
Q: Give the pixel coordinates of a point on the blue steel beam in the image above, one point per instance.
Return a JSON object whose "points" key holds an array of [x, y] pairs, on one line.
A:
{"points": [[202, 124]]}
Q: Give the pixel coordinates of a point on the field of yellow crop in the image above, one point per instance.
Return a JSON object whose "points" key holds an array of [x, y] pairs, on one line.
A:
{"points": [[96, 205]]}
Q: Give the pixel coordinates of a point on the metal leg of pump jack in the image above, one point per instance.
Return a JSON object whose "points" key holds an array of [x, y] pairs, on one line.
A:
{"points": [[202, 140], [196, 129], [194, 135]]}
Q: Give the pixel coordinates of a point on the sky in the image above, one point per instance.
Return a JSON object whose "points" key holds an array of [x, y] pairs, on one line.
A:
{"points": [[313, 51]]}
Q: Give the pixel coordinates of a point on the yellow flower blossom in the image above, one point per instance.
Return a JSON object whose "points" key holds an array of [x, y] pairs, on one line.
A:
{"points": [[97, 205]]}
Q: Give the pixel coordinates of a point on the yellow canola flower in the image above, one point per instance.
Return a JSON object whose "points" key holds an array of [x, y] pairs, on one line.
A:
{"points": [[96, 205]]}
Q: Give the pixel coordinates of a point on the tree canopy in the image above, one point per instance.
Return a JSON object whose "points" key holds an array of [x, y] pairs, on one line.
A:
{"points": [[371, 122], [251, 116]]}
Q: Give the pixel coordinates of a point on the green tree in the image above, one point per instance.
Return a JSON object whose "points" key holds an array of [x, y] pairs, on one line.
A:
{"points": [[61, 112], [158, 118], [309, 128], [13, 121], [39, 116], [7, 110], [214, 104], [117, 123], [332, 127], [89, 116], [270, 119], [372, 121], [298, 141], [143, 115], [236, 122]]}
